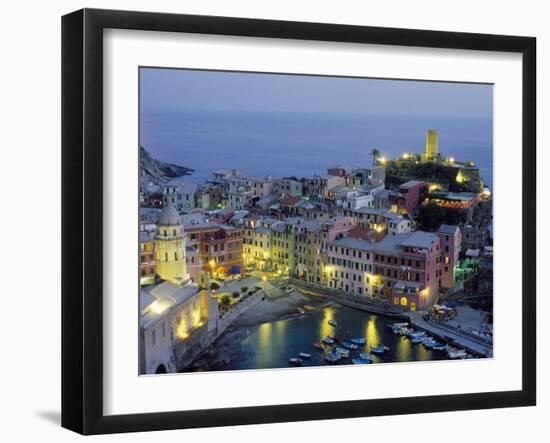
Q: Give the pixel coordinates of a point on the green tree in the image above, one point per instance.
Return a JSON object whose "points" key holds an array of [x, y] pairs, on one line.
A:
{"points": [[226, 300], [214, 286], [375, 154], [430, 216]]}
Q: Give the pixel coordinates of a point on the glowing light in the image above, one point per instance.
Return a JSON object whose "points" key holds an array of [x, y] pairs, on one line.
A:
{"points": [[433, 187], [486, 192], [451, 160], [157, 307], [382, 160], [379, 228], [460, 177], [264, 278], [406, 156], [212, 263]]}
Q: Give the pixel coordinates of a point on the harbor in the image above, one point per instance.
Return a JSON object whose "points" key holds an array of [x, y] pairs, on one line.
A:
{"points": [[325, 333]]}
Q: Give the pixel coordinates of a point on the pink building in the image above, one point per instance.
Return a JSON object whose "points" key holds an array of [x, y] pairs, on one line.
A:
{"points": [[408, 197], [339, 171], [407, 269], [450, 238]]}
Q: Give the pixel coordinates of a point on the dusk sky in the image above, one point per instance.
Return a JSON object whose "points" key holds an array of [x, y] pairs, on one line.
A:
{"points": [[177, 89]]}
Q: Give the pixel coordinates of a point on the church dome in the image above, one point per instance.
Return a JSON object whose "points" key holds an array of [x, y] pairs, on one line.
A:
{"points": [[169, 217]]}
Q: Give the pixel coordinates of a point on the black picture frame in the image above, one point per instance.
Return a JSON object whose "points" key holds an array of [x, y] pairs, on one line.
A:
{"points": [[82, 216]]}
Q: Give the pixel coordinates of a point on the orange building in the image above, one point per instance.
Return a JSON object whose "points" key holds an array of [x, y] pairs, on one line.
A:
{"points": [[147, 262]]}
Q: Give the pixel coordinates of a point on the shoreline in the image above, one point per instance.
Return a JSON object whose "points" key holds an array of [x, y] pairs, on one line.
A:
{"points": [[273, 309]]}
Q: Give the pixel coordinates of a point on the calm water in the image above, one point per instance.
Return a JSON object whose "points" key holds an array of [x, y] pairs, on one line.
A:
{"points": [[270, 345], [300, 144]]}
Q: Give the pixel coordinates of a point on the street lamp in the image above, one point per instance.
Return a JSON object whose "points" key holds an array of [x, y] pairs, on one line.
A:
{"points": [[212, 264]]}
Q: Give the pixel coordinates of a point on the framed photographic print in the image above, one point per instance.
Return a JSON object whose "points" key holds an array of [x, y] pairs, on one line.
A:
{"points": [[269, 221]]}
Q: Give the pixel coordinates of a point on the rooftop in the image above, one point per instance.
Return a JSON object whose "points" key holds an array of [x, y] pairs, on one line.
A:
{"points": [[354, 243], [411, 184], [169, 216], [158, 299], [448, 229], [420, 239], [460, 196]]}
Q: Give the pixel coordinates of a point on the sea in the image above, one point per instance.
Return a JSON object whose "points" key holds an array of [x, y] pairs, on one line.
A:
{"points": [[302, 144], [271, 345]]}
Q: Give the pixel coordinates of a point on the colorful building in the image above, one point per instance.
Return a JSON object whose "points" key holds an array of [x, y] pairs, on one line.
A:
{"points": [[349, 266], [408, 267], [432, 146], [220, 246], [450, 238], [257, 247], [170, 247], [174, 322], [147, 262], [409, 196], [180, 194]]}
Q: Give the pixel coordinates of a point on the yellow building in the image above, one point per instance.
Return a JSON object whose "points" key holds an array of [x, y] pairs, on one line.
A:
{"points": [[432, 146], [176, 324], [257, 247], [170, 247]]}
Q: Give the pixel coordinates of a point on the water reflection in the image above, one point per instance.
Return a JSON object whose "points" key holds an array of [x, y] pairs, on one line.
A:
{"points": [[325, 328], [270, 345], [372, 336]]}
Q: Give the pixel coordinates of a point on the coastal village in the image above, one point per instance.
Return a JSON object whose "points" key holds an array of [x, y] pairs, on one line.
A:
{"points": [[408, 238]]}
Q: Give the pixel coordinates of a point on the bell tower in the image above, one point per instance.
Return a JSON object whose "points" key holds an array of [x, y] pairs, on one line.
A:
{"points": [[170, 247]]}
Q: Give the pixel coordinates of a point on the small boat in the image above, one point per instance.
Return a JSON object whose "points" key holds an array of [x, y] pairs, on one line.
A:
{"points": [[318, 345], [441, 347], [399, 325], [304, 355], [358, 341], [342, 352], [295, 361], [416, 340], [301, 310], [349, 345], [365, 356], [332, 357], [456, 353], [328, 341], [416, 334], [380, 349], [360, 361], [333, 337], [332, 323], [431, 343]]}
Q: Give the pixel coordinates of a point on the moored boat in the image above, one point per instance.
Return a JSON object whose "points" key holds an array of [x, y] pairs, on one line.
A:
{"points": [[328, 341], [349, 345], [455, 353], [358, 340], [304, 355], [332, 323], [318, 345], [342, 352], [365, 356], [332, 357], [360, 361], [379, 349], [295, 361]]}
